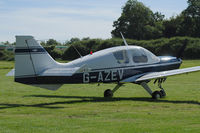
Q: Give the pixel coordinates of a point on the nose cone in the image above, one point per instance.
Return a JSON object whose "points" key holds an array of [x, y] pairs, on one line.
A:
{"points": [[169, 59]]}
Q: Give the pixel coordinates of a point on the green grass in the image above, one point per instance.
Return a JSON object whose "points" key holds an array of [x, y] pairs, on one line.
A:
{"points": [[82, 108]]}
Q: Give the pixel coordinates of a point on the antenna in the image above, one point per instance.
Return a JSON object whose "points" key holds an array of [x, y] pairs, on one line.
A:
{"points": [[77, 51], [124, 39]]}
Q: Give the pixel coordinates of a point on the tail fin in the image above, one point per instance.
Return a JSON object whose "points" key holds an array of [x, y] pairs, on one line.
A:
{"points": [[30, 57]]}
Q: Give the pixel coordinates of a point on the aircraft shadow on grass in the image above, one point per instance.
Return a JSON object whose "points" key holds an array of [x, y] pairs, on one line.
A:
{"points": [[87, 99]]}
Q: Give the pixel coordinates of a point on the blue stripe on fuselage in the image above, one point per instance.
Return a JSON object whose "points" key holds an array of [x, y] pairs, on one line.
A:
{"points": [[30, 50]]}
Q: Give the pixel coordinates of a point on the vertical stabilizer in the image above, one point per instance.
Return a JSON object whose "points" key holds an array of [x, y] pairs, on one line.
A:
{"points": [[30, 58]]}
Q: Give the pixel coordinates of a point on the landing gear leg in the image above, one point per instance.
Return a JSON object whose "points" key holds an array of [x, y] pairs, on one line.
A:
{"points": [[155, 94], [109, 93], [162, 91], [146, 87]]}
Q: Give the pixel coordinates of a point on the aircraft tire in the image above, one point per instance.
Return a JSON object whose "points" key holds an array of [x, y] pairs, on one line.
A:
{"points": [[156, 95], [108, 93], [163, 93]]}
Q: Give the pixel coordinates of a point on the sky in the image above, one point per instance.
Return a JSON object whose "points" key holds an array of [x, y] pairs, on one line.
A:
{"points": [[64, 19]]}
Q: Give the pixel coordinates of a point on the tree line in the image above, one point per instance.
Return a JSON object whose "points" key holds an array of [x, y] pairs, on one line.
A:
{"points": [[160, 47]]}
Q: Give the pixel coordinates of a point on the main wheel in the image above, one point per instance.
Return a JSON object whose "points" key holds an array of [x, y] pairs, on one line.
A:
{"points": [[156, 95], [163, 93], [108, 93]]}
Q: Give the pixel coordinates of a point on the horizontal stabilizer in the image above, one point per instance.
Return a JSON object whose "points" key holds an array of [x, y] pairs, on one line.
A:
{"points": [[11, 73]]}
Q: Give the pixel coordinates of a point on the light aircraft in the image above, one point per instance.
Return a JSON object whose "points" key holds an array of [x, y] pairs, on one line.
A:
{"points": [[121, 64]]}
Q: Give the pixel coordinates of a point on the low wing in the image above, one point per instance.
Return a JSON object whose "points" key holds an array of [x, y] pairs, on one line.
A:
{"points": [[155, 75]]}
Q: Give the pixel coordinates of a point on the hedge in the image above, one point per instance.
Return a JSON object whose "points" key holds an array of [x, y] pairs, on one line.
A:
{"points": [[162, 46]]}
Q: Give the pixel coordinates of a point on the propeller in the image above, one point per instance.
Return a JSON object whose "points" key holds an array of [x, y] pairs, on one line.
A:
{"points": [[180, 52]]}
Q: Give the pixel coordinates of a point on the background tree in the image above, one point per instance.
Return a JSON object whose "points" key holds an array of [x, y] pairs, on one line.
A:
{"points": [[52, 42], [185, 24], [171, 26], [138, 22], [192, 18], [193, 9], [7, 43], [73, 40]]}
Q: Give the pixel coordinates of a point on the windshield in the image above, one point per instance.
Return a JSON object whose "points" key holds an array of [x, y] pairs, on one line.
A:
{"points": [[141, 55]]}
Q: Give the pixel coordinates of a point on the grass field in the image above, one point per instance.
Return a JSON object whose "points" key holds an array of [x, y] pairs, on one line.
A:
{"points": [[82, 108]]}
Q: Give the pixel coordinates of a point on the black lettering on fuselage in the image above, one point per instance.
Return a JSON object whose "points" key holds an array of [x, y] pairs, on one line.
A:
{"points": [[86, 78], [114, 75], [100, 77], [103, 76], [107, 77], [121, 73]]}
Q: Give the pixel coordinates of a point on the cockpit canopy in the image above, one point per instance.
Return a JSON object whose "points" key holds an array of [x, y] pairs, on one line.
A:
{"points": [[117, 57], [135, 55]]}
